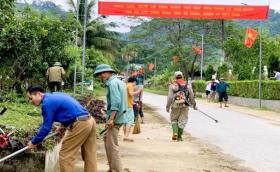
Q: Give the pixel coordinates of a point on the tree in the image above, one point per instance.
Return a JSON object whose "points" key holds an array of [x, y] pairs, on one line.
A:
{"points": [[6, 12], [90, 8], [244, 59], [222, 71], [97, 34], [31, 42], [209, 72], [175, 37]]}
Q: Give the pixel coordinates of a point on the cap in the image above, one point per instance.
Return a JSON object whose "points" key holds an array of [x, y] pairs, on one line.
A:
{"points": [[178, 73]]}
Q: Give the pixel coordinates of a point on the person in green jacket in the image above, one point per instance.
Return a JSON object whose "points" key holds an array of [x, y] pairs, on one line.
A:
{"points": [[115, 115]]}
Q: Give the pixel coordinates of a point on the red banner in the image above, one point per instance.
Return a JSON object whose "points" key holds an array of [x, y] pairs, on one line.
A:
{"points": [[177, 10]]}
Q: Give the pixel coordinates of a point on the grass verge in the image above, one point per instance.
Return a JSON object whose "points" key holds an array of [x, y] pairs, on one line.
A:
{"points": [[163, 92]]}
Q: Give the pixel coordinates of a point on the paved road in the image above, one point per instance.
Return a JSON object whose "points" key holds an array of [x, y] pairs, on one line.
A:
{"points": [[246, 137]]}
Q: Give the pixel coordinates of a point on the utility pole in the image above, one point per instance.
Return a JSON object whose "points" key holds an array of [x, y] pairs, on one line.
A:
{"points": [[202, 56], [84, 45], [75, 69], [260, 67], [155, 66]]}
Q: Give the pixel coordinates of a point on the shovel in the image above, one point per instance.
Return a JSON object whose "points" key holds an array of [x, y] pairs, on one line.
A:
{"points": [[23, 149]]}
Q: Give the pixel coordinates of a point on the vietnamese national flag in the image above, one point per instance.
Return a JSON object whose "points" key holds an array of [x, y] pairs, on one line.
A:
{"points": [[251, 35], [151, 67], [197, 50]]}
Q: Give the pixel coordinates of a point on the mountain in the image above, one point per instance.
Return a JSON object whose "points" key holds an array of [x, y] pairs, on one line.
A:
{"points": [[44, 6]]}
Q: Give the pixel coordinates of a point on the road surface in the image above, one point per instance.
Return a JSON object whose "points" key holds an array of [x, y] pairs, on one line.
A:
{"points": [[251, 139]]}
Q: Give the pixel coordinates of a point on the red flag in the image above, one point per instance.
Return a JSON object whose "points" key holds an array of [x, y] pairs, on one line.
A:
{"points": [[197, 50], [250, 37], [151, 66], [175, 59]]}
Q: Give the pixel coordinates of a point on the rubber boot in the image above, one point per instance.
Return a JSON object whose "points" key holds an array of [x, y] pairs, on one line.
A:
{"points": [[175, 131], [180, 133]]}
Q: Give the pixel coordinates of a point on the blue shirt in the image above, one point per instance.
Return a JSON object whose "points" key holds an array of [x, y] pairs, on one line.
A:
{"points": [[222, 87], [58, 107], [140, 80], [116, 99]]}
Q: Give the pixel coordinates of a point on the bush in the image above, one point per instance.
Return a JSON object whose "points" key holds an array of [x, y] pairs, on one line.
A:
{"points": [[209, 72], [248, 89], [161, 81]]}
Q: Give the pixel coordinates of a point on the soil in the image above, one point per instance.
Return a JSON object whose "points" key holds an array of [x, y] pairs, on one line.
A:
{"points": [[154, 151]]}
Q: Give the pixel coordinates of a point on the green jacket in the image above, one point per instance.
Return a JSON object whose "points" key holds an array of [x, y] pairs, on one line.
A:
{"points": [[116, 99]]}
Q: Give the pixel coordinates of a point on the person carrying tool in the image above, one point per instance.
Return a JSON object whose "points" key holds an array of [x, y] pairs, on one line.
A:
{"points": [[130, 113], [55, 77], [139, 86], [115, 115], [180, 97], [62, 108]]}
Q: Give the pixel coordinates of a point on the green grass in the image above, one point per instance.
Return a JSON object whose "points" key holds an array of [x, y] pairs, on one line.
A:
{"points": [[99, 92], [21, 116], [157, 91]]}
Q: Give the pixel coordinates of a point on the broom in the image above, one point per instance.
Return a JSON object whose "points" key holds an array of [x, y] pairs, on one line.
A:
{"points": [[137, 128]]}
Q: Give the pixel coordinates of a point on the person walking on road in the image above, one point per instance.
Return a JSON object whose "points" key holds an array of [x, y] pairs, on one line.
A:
{"points": [[139, 86], [62, 108], [180, 97], [276, 75], [222, 87], [130, 113], [213, 90], [55, 77], [115, 115], [208, 90]]}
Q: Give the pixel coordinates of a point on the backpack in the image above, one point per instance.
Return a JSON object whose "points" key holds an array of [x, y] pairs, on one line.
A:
{"points": [[182, 95]]}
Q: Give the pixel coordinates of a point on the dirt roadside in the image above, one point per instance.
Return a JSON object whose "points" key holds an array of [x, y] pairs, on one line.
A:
{"points": [[153, 151]]}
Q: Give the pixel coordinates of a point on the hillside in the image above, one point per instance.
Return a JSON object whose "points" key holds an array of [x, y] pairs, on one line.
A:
{"points": [[44, 6]]}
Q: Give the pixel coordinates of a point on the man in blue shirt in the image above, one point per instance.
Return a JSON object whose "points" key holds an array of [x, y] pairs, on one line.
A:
{"points": [[222, 90], [115, 115], [60, 107]]}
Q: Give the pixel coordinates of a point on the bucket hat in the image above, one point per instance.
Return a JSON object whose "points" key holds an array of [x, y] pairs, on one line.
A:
{"points": [[102, 68], [57, 64]]}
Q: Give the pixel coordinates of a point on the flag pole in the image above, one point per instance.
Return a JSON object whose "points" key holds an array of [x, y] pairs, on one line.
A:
{"points": [[260, 66], [202, 54]]}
